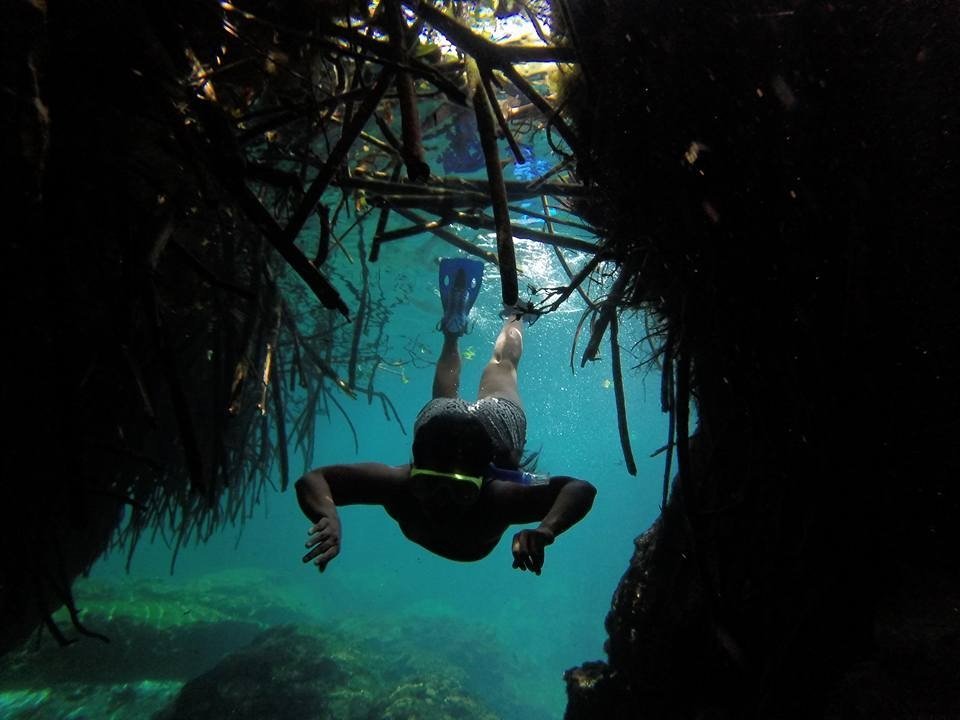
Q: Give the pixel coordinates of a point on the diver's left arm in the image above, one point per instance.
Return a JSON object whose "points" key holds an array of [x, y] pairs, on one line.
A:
{"points": [[573, 501], [558, 506]]}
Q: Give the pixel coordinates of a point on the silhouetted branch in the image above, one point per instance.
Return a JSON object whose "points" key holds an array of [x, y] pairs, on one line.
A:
{"points": [[560, 258], [607, 310], [590, 311], [225, 166], [667, 406], [522, 231], [337, 155], [412, 146], [450, 237], [414, 230], [360, 318], [618, 392], [488, 141], [489, 55], [378, 236], [353, 430], [578, 279], [472, 190]]}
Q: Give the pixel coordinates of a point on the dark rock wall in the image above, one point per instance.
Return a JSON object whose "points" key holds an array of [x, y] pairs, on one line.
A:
{"points": [[780, 180]]}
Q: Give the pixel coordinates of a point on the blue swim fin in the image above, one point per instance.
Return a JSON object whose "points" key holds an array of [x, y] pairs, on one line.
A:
{"points": [[460, 280]]}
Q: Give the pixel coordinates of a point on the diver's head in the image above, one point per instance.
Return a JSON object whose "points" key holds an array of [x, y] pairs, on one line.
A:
{"points": [[451, 456]]}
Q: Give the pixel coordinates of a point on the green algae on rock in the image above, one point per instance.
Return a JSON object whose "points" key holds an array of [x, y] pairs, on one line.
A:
{"points": [[291, 672]]}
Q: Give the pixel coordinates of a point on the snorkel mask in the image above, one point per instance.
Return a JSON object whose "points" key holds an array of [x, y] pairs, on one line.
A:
{"points": [[451, 442]]}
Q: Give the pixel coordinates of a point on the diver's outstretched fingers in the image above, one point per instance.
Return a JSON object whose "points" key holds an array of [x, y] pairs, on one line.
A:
{"points": [[528, 548], [323, 539], [320, 548], [536, 560], [321, 557], [318, 536], [324, 559], [319, 526], [522, 559]]}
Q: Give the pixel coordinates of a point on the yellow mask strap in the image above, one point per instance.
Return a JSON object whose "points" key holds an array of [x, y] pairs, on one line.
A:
{"points": [[478, 481]]}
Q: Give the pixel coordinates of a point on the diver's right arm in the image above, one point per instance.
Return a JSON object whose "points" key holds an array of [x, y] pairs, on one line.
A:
{"points": [[320, 491]]}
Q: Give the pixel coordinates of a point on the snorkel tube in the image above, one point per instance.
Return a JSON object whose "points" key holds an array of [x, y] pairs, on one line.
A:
{"points": [[518, 476]]}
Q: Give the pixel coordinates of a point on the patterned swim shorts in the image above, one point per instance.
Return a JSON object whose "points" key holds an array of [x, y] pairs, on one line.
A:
{"points": [[503, 420]]}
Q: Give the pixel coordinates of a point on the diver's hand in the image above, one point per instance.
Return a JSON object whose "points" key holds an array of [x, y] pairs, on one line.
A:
{"points": [[528, 548], [323, 539]]}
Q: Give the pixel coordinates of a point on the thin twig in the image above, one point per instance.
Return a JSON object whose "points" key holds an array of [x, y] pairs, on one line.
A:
{"points": [[291, 113], [141, 384], [380, 50], [667, 405], [576, 334], [358, 325], [618, 392], [607, 311], [522, 231], [178, 396], [356, 440], [578, 280], [450, 237], [337, 155], [281, 424], [559, 167], [323, 242], [322, 364], [551, 219], [224, 166], [474, 196], [560, 257], [468, 189], [413, 230], [378, 236]]}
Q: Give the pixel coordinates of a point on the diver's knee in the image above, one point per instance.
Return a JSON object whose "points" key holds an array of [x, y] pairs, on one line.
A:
{"points": [[510, 346]]}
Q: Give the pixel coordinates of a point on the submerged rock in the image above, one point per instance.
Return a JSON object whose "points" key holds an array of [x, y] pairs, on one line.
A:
{"points": [[295, 672], [202, 649], [284, 673], [433, 699]]}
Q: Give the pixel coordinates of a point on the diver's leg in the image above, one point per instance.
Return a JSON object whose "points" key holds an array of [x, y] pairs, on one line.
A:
{"points": [[446, 379], [499, 377]]}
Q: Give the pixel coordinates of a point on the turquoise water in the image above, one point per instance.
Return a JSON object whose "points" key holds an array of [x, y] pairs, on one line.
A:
{"points": [[526, 629], [489, 632]]}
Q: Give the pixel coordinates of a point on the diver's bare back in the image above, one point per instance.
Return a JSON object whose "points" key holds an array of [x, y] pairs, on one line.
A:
{"points": [[467, 536]]}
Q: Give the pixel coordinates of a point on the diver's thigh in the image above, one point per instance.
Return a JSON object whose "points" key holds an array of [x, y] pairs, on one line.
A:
{"points": [[499, 379]]}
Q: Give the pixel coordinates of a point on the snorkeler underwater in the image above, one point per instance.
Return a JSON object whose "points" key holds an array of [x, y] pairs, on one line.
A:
{"points": [[697, 261], [464, 486]]}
